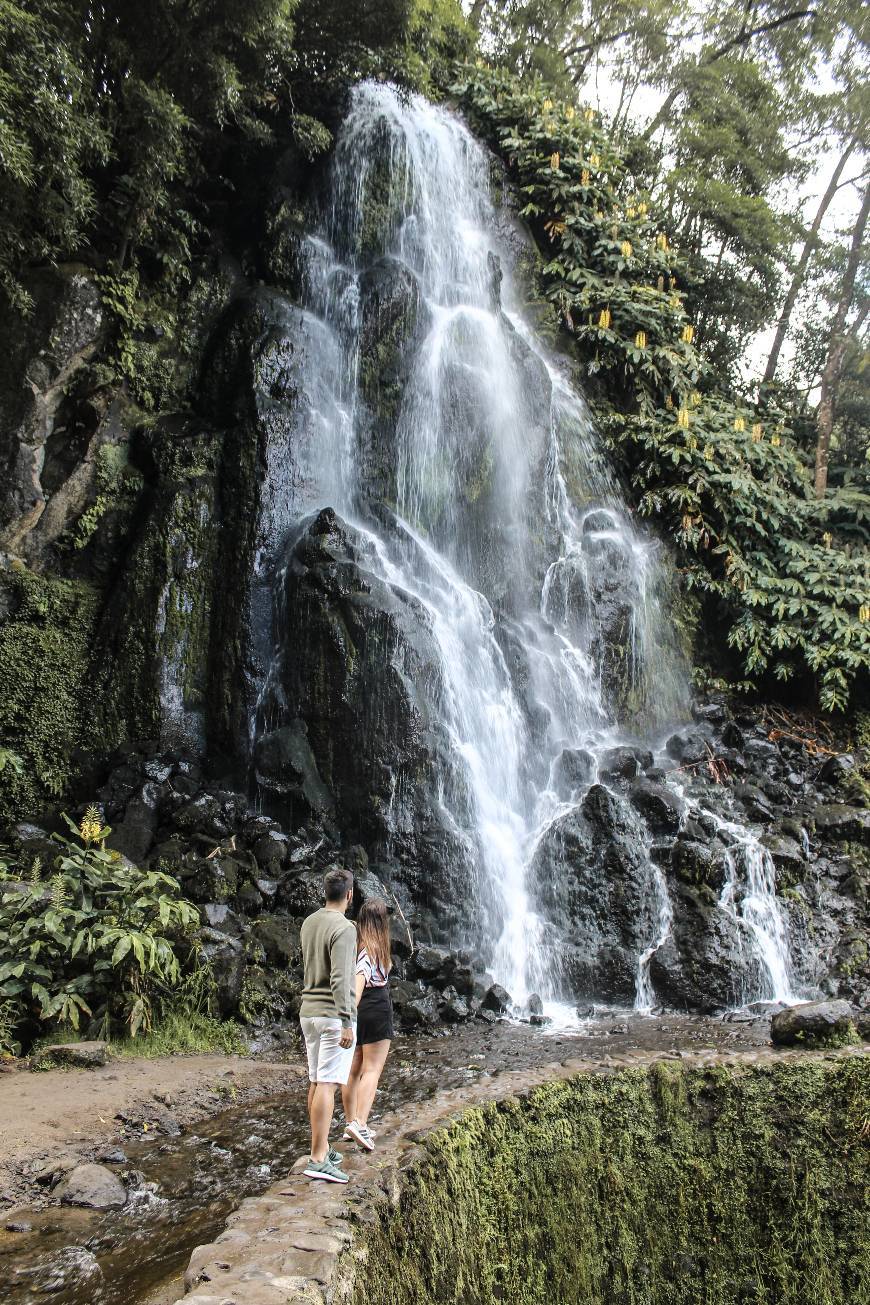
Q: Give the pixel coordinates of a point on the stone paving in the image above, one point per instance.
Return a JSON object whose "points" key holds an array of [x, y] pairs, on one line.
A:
{"points": [[295, 1244]]}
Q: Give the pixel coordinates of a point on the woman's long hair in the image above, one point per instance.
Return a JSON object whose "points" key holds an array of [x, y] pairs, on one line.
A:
{"points": [[373, 932]]}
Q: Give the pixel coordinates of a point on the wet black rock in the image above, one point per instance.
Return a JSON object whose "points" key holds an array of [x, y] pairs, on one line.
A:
{"points": [[812, 1022], [592, 880], [841, 822], [573, 770], [624, 763], [497, 999], [659, 805], [837, 768]]}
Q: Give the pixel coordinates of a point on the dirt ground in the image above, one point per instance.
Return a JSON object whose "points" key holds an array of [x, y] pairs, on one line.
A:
{"points": [[50, 1116]]}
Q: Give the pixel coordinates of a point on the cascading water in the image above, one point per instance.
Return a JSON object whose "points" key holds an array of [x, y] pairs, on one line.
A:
{"points": [[502, 524]]}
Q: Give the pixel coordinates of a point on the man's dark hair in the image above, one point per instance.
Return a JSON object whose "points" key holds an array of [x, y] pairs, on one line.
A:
{"points": [[337, 883]]}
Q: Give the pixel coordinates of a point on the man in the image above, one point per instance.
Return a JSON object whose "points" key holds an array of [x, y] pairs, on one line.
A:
{"points": [[328, 1015]]}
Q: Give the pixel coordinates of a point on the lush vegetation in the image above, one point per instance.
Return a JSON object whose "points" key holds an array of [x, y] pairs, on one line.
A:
{"points": [[91, 941], [788, 572], [127, 132]]}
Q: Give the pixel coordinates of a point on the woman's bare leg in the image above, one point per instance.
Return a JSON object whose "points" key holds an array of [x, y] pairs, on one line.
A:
{"points": [[351, 1087], [374, 1057]]}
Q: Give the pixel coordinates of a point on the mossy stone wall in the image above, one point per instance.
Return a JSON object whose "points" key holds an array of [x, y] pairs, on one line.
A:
{"points": [[45, 717], [658, 1186]]}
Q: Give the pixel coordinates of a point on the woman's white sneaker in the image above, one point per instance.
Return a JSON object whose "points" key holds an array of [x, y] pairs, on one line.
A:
{"points": [[359, 1133]]}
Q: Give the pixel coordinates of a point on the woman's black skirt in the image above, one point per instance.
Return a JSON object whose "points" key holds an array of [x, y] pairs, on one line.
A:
{"points": [[374, 1016]]}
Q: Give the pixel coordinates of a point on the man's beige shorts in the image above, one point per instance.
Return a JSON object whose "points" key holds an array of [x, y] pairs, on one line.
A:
{"points": [[328, 1061]]}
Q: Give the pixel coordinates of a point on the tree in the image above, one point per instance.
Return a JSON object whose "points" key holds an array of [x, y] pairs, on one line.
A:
{"points": [[838, 344]]}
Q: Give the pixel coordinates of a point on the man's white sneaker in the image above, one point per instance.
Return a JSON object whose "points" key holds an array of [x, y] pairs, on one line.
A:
{"points": [[359, 1133]]}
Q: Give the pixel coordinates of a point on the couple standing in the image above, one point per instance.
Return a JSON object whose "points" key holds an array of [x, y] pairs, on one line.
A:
{"points": [[346, 1016]]}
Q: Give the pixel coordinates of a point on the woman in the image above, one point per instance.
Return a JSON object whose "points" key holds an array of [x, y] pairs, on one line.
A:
{"points": [[374, 1027]]}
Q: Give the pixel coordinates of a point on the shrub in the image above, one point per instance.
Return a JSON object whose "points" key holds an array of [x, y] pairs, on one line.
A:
{"points": [[92, 936]]}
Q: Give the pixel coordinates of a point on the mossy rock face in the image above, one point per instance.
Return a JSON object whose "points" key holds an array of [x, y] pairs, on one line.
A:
{"points": [[151, 664], [46, 629], [660, 1186]]}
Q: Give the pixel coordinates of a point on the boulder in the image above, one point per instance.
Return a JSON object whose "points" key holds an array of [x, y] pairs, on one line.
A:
{"points": [[623, 763], [573, 770], [72, 1055], [94, 1187], [660, 807], [812, 1022], [837, 821], [592, 879], [497, 999]]}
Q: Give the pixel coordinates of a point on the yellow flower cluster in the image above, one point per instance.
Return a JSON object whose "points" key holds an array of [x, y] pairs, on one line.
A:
{"points": [[775, 441], [864, 612], [595, 160], [756, 431], [740, 423], [625, 249], [91, 827], [661, 240], [604, 319], [640, 340], [547, 106], [688, 334], [554, 160], [584, 180], [588, 114], [569, 112], [683, 419]]}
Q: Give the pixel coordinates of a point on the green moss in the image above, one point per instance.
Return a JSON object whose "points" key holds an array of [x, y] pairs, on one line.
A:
{"points": [[158, 623], [667, 1186], [44, 658]]}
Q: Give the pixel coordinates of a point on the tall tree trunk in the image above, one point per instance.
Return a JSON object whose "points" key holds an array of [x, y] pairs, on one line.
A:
{"points": [[475, 12], [800, 271], [837, 351]]}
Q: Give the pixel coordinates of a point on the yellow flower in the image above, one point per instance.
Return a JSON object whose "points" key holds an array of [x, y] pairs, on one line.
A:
{"points": [[588, 114], [599, 214], [683, 419], [630, 211], [91, 827], [669, 403], [554, 160], [775, 441], [672, 282], [695, 399], [569, 112], [640, 340], [642, 210], [595, 160], [547, 106], [756, 431], [740, 423], [675, 301], [604, 319], [584, 179], [625, 249], [708, 452], [662, 240], [688, 334], [864, 612], [827, 539]]}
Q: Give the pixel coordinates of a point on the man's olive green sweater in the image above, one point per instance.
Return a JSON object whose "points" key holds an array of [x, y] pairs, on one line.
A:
{"points": [[329, 957]]}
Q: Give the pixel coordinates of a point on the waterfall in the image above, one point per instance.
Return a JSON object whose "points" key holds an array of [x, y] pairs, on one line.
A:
{"points": [[486, 500]]}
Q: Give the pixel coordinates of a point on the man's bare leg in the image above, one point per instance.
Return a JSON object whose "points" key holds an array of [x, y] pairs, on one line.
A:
{"points": [[320, 1112]]}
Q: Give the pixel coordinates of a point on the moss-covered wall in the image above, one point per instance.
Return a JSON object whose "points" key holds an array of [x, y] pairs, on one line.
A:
{"points": [[46, 631], [659, 1186]]}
